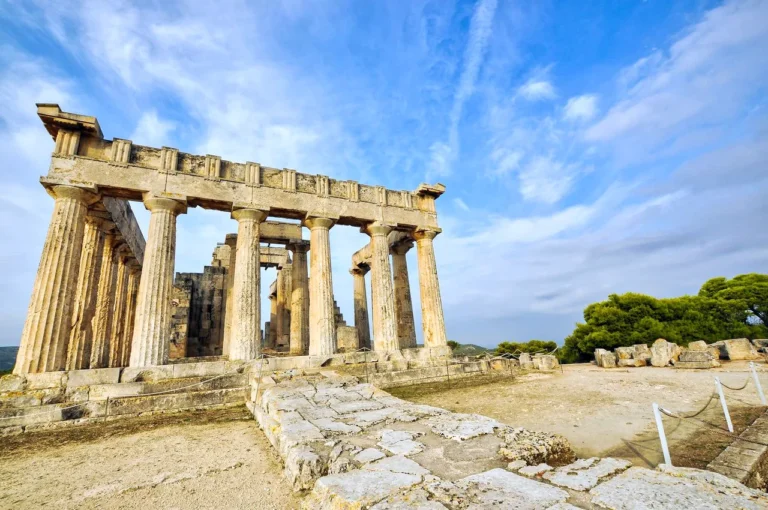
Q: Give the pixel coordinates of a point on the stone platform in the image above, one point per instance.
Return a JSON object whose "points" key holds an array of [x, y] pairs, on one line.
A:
{"points": [[352, 446]]}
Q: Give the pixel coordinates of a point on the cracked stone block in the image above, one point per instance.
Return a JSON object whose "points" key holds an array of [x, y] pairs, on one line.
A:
{"points": [[302, 467], [413, 499], [400, 442], [535, 447], [357, 489], [640, 488], [535, 471], [460, 427], [366, 419], [582, 476], [335, 427], [499, 487], [514, 466], [397, 464], [369, 455], [355, 406]]}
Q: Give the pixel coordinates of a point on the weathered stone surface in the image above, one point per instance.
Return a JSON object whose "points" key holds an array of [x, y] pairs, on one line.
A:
{"points": [[663, 353], [412, 499], [516, 465], [640, 488], [697, 356], [147, 374], [625, 352], [400, 442], [698, 345], [696, 364], [585, 474], [12, 382], [397, 464], [760, 344], [599, 356], [546, 362], [499, 487], [357, 489], [608, 360], [46, 380], [526, 362], [535, 447], [740, 349], [369, 455], [632, 362], [535, 471], [460, 427], [641, 351], [94, 376]]}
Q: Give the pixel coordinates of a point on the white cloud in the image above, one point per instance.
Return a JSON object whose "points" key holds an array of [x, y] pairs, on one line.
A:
{"points": [[461, 204], [580, 107], [535, 90], [546, 180], [505, 160], [152, 130]]}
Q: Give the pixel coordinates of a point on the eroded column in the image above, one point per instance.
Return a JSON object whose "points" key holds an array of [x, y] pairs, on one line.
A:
{"points": [[360, 302], [45, 336], [231, 241], [102, 319], [433, 323], [245, 341], [134, 274], [299, 299], [81, 336], [284, 284], [382, 292], [118, 309], [406, 329], [322, 327], [152, 327]]}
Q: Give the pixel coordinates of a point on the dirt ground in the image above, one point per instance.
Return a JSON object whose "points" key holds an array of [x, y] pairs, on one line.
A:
{"points": [[205, 459], [608, 411]]}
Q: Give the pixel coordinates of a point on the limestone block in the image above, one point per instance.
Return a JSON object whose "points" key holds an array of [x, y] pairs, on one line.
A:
{"points": [[357, 489], [608, 360], [696, 356], [535, 447], [107, 391], [369, 455], [547, 362], [697, 364], [30, 415], [93, 376], [625, 352], [639, 488], [661, 353], [204, 369], [332, 427], [302, 467], [147, 374], [355, 406], [46, 380], [526, 363], [516, 465], [142, 404], [760, 344], [585, 474], [400, 442], [460, 427], [641, 351], [599, 353], [20, 399], [347, 338], [12, 382], [497, 486], [698, 345], [740, 349], [397, 464], [416, 499], [631, 363], [535, 471]]}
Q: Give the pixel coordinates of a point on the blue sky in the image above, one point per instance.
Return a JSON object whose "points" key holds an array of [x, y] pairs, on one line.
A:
{"points": [[587, 147]]}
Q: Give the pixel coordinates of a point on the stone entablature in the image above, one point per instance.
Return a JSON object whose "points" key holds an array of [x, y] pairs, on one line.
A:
{"points": [[215, 183]]}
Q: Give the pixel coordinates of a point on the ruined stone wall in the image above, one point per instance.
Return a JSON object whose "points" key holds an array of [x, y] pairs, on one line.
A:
{"points": [[204, 315], [181, 295]]}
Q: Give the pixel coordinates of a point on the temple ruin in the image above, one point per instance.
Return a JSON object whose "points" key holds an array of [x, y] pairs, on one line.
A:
{"points": [[105, 298]]}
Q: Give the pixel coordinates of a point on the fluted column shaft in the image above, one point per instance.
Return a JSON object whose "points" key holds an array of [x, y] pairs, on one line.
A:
{"points": [[245, 341], [299, 300], [118, 312], [382, 292], [231, 241], [102, 319], [360, 302], [152, 328], [322, 326], [284, 278], [270, 342], [46, 331], [406, 329], [81, 336], [433, 323], [130, 314]]}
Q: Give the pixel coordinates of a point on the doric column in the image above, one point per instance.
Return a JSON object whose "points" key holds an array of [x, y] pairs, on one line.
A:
{"points": [[432, 319], [81, 336], [361, 307], [231, 241], [134, 274], [382, 293], [245, 342], [322, 326], [102, 319], [406, 330], [118, 308], [46, 331], [152, 327], [270, 342], [299, 299], [284, 283]]}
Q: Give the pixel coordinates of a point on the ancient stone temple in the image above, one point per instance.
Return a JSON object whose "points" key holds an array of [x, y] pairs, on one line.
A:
{"points": [[105, 298]]}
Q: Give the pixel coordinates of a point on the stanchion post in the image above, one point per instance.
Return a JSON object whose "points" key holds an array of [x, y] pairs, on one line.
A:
{"points": [[724, 404], [757, 383], [662, 436]]}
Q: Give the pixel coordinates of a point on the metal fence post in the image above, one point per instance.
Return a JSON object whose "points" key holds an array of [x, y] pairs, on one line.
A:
{"points": [[724, 404], [662, 436], [757, 383]]}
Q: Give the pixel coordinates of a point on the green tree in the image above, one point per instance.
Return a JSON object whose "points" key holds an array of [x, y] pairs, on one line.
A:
{"points": [[748, 290], [453, 344], [531, 347]]}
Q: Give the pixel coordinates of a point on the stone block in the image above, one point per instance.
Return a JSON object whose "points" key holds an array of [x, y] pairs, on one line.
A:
{"points": [[599, 355], [526, 362], [547, 362], [347, 338], [30, 415], [625, 352], [358, 489], [205, 369], [631, 363], [698, 345], [695, 364], [136, 405], [696, 356], [641, 351], [147, 374], [663, 352], [46, 380], [106, 391], [760, 344], [740, 349], [498, 486], [608, 360], [93, 376], [12, 382], [585, 474]]}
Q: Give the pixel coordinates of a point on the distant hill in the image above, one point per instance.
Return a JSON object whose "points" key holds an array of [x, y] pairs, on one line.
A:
{"points": [[7, 357], [469, 350]]}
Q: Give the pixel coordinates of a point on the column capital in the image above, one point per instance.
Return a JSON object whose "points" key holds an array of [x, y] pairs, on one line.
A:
{"points": [[230, 240], [103, 224], [314, 220], [247, 213], [87, 195], [426, 233], [359, 271], [298, 245], [401, 248], [377, 229], [177, 204]]}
